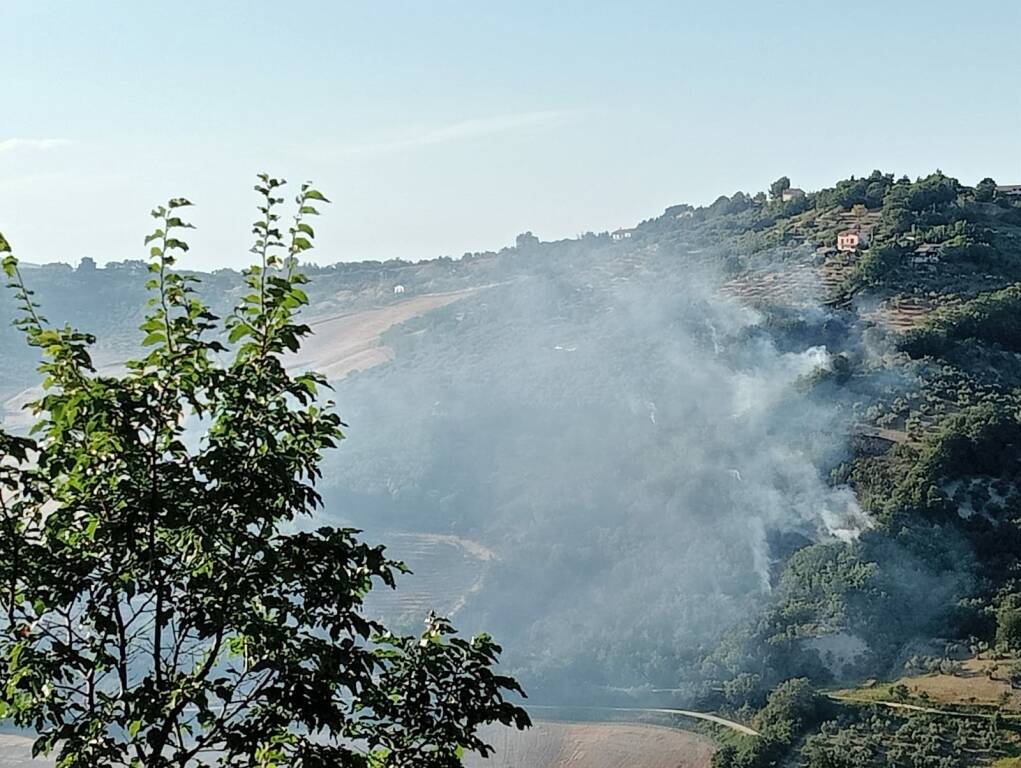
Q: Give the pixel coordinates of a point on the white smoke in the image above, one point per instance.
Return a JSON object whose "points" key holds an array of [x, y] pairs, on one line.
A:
{"points": [[631, 487]]}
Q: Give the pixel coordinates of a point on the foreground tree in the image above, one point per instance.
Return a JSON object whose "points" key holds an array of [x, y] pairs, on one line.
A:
{"points": [[160, 607]]}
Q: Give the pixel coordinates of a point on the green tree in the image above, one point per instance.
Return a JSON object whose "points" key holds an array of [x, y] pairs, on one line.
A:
{"points": [[1014, 675], [791, 708], [778, 187], [725, 757], [1008, 623], [526, 242], [985, 190], [161, 604]]}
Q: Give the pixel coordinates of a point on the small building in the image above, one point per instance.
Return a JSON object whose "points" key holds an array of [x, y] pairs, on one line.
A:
{"points": [[927, 253], [398, 289], [621, 234], [792, 193], [1009, 190], [852, 239]]}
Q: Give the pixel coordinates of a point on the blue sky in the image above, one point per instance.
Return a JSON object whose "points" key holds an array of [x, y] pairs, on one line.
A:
{"points": [[441, 127]]}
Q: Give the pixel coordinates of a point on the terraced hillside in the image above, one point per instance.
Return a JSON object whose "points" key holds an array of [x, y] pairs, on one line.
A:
{"points": [[903, 313], [446, 572]]}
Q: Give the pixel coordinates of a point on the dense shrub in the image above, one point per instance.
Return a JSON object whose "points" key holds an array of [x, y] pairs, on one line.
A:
{"points": [[992, 317]]}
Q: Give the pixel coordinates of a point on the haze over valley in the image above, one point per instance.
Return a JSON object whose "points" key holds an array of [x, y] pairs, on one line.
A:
{"points": [[655, 462]]}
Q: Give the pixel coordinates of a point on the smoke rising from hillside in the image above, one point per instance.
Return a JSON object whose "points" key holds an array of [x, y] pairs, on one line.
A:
{"points": [[633, 449]]}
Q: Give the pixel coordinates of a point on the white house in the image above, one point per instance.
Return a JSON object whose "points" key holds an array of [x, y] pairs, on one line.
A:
{"points": [[398, 289], [621, 234], [1009, 190], [791, 193]]}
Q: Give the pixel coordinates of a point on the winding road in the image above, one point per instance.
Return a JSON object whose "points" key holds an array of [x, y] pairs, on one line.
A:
{"points": [[706, 716]]}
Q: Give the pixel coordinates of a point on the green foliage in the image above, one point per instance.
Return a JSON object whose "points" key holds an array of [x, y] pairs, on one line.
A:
{"points": [[869, 191], [1008, 624], [924, 203], [791, 709], [818, 582], [981, 440], [993, 317], [978, 440], [778, 187], [725, 757], [161, 605], [875, 267], [985, 190], [1014, 675], [876, 738]]}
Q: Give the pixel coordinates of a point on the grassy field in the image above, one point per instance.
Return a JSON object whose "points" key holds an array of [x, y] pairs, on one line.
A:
{"points": [[981, 683]]}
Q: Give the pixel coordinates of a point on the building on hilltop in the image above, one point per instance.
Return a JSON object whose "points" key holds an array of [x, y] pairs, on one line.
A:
{"points": [[852, 239], [621, 234], [1009, 190], [792, 193]]}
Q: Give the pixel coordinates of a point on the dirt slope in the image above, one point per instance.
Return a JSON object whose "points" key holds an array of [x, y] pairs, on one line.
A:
{"points": [[595, 745], [350, 342], [339, 345]]}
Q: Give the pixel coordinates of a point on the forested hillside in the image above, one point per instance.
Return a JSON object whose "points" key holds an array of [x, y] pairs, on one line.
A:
{"points": [[759, 457]]}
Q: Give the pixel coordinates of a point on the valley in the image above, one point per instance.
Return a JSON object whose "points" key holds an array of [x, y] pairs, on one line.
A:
{"points": [[670, 471]]}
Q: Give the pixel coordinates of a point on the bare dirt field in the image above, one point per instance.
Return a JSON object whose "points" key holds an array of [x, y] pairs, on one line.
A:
{"points": [[351, 342], [339, 345], [545, 745], [595, 745], [981, 682]]}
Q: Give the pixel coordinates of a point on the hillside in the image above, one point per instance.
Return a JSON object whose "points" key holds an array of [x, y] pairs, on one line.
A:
{"points": [[681, 467]]}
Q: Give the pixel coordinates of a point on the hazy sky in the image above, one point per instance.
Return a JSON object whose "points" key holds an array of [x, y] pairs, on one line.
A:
{"points": [[441, 127]]}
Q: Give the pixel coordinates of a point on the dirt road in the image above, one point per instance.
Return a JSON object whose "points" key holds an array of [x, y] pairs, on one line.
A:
{"points": [[706, 716]]}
